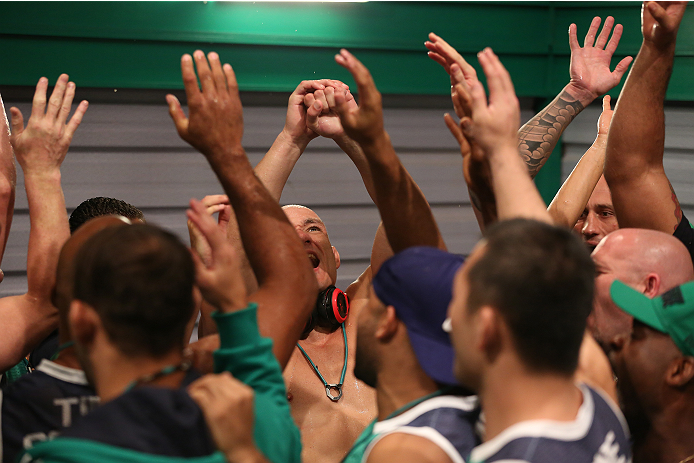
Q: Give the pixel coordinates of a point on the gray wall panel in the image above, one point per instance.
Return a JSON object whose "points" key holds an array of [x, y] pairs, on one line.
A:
{"points": [[132, 152]]}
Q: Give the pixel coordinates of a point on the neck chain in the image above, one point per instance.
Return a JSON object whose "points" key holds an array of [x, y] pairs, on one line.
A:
{"points": [[166, 371], [689, 458], [61, 348], [329, 387]]}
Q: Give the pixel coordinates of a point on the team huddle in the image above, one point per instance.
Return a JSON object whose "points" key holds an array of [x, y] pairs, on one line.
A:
{"points": [[567, 334]]}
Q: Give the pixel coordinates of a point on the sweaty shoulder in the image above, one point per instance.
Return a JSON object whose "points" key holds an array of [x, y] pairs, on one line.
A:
{"points": [[598, 433], [359, 289]]}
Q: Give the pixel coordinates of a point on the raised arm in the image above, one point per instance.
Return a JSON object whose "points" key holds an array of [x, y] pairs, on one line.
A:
{"points": [[405, 212], [8, 181], [244, 354], [475, 168], [277, 164], [492, 127], [215, 128], [40, 149], [590, 77], [323, 119], [571, 199], [641, 193]]}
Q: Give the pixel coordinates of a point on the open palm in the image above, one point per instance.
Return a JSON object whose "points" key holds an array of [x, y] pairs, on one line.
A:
{"points": [[590, 64]]}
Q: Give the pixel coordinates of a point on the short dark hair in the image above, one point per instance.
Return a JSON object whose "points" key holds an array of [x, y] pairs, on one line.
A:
{"points": [[96, 207], [541, 279], [139, 279]]}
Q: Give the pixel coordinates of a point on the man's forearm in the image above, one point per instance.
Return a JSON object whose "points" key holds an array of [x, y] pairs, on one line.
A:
{"points": [[254, 207], [271, 245], [538, 137], [405, 212], [49, 230], [515, 192], [356, 154], [277, 164], [571, 199]]}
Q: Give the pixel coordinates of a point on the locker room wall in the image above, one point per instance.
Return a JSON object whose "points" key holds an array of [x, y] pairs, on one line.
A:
{"points": [[132, 152]]}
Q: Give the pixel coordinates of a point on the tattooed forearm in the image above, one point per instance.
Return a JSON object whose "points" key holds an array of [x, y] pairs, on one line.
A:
{"points": [[538, 137], [678, 208]]}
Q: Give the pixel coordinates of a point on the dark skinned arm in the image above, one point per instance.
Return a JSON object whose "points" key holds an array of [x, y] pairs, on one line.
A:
{"points": [[405, 212], [215, 128], [641, 193]]}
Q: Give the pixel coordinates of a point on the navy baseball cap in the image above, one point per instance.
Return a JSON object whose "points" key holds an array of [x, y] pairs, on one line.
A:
{"points": [[418, 283]]}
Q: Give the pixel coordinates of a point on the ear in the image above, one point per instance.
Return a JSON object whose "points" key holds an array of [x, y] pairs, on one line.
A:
{"points": [[652, 285], [489, 332], [387, 325], [84, 322], [337, 257], [680, 371]]}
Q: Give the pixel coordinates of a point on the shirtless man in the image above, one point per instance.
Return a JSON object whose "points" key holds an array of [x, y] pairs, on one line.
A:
{"points": [[340, 412], [407, 221]]}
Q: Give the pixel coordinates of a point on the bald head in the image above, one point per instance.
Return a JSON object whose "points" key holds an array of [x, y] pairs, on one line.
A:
{"points": [[64, 272], [314, 234], [649, 261], [643, 252]]}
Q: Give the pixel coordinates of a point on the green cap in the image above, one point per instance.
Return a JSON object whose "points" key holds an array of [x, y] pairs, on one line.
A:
{"points": [[672, 312]]}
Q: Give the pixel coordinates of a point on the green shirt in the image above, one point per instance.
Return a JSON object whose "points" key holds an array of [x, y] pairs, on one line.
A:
{"points": [[356, 453]]}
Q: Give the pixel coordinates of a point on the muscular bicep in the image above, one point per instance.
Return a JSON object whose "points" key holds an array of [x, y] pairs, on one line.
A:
{"points": [[407, 448], [647, 201], [381, 250]]}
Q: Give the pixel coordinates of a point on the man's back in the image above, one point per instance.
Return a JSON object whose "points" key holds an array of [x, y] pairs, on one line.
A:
{"points": [[38, 406], [153, 420], [599, 433]]}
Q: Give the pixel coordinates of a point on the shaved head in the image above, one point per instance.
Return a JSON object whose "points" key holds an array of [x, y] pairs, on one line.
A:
{"points": [[649, 251], [649, 261], [314, 235], [62, 294]]}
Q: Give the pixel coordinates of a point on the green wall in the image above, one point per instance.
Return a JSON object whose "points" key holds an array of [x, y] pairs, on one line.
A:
{"points": [[272, 46]]}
